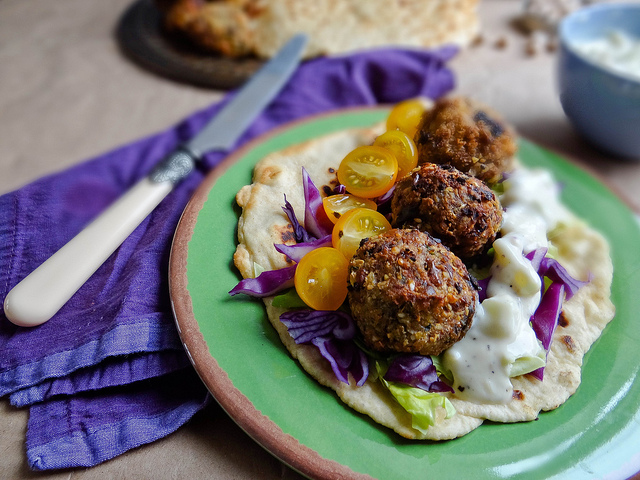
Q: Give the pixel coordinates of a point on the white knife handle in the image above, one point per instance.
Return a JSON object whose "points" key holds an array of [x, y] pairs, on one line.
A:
{"points": [[42, 293]]}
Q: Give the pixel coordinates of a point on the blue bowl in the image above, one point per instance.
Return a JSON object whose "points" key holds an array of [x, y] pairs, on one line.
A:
{"points": [[602, 104]]}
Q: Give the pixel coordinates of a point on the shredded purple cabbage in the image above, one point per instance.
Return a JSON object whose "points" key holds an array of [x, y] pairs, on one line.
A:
{"points": [[386, 197], [551, 268], [482, 288], [299, 250], [339, 190], [299, 231], [537, 374], [536, 256], [267, 283], [305, 325], [332, 332], [417, 371], [315, 218], [314, 234], [505, 176], [545, 319], [344, 357]]}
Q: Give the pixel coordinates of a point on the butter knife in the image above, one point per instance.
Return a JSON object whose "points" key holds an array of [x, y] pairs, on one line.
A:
{"points": [[43, 292]]}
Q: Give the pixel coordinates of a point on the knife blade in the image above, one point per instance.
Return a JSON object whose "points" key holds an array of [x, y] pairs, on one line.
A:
{"points": [[223, 131], [44, 291]]}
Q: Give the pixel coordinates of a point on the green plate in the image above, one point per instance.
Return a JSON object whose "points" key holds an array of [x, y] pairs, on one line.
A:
{"points": [[238, 355]]}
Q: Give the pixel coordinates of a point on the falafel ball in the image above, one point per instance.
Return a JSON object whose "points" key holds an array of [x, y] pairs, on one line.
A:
{"points": [[459, 210], [409, 294], [468, 135]]}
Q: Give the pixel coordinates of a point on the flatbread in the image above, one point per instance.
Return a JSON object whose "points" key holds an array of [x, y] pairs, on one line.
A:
{"points": [[237, 28], [581, 250]]}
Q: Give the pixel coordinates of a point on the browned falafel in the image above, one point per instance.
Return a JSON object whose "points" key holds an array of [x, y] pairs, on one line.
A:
{"points": [[408, 293], [459, 210], [468, 135]]}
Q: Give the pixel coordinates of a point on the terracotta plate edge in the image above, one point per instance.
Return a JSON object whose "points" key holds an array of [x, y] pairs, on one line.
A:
{"points": [[258, 426]]}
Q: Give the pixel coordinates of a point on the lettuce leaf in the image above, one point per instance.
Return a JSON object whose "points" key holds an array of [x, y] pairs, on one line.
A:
{"points": [[289, 299], [528, 364], [424, 407]]}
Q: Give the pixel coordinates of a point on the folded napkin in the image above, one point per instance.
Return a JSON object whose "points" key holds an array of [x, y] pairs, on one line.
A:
{"points": [[108, 372]]}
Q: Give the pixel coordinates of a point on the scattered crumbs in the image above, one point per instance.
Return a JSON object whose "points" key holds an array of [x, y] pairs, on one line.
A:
{"points": [[538, 21], [536, 42], [501, 43], [518, 395], [547, 14], [478, 40]]}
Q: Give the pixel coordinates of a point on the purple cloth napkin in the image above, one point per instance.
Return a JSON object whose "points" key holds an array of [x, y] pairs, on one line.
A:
{"points": [[108, 372]]}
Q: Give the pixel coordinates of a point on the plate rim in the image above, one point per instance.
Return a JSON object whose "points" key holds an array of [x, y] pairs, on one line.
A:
{"points": [[258, 426]]}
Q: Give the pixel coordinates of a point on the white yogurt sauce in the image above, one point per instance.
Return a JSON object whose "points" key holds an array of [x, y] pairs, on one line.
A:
{"points": [[618, 51], [482, 361]]}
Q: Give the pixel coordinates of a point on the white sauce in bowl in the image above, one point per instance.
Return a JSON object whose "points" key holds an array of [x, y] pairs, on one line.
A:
{"points": [[482, 362], [617, 51]]}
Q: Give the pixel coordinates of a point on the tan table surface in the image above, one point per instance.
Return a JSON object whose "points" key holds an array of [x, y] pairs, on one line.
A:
{"points": [[67, 94]]}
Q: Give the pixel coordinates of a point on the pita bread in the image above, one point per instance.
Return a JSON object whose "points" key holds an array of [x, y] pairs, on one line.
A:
{"points": [[255, 27], [581, 250]]}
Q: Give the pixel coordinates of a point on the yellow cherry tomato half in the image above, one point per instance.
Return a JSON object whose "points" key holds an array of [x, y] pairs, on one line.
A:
{"points": [[406, 116], [368, 171], [403, 148], [356, 225], [321, 278], [337, 205]]}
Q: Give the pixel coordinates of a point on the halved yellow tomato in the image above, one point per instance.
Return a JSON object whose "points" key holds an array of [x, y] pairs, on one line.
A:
{"points": [[321, 278], [337, 205], [368, 171], [406, 116], [403, 148], [356, 225]]}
